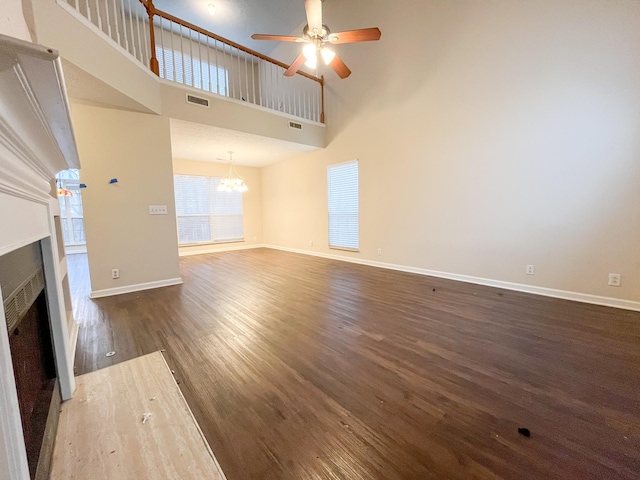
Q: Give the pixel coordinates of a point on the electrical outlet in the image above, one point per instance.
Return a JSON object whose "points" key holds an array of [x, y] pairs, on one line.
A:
{"points": [[311, 243], [115, 273], [157, 209], [379, 251], [530, 270], [615, 279]]}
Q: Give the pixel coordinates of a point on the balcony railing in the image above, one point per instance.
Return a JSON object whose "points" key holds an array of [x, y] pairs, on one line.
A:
{"points": [[179, 51]]}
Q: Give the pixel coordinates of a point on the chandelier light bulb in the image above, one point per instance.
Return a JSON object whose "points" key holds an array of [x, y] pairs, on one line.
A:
{"points": [[212, 9], [327, 55], [233, 181]]}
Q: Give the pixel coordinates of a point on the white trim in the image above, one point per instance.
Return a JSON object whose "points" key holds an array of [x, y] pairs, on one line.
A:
{"points": [[58, 316], [73, 342], [25, 241], [74, 249], [215, 248], [107, 292], [518, 287]]}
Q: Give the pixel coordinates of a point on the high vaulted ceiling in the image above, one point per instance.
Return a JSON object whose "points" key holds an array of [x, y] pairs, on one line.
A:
{"points": [[237, 20]]}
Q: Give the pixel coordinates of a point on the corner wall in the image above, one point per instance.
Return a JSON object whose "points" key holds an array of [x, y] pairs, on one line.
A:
{"points": [[135, 148], [505, 134]]}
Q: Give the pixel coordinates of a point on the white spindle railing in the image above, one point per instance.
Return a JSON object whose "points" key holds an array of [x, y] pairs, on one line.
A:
{"points": [[191, 56], [124, 21]]}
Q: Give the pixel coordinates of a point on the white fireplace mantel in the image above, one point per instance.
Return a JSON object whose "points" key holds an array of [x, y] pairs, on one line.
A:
{"points": [[36, 142]]}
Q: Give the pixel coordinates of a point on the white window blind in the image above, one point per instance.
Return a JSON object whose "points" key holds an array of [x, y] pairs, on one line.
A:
{"points": [[206, 215], [182, 68], [342, 182]]}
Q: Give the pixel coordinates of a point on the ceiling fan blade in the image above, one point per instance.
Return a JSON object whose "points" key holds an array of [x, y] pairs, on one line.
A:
{"points": [[277, 38], [353, 36], [295, 66], [339, 67], [314, 15]]}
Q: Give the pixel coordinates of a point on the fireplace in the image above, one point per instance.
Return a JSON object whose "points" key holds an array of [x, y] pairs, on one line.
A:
{"points": [[37, 328], [22, 284]]}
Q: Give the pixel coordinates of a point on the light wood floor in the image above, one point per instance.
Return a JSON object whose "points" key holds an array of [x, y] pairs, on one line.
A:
{"points": [[130, 421], [299, 367]]}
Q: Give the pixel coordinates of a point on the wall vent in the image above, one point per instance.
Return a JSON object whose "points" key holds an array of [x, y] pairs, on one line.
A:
{"points": [[295, 126], [202, 102], [21, 300]]}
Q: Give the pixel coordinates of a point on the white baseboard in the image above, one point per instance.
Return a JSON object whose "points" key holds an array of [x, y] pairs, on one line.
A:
{"points": [[216, 249], [547, 292], [107, 292]]}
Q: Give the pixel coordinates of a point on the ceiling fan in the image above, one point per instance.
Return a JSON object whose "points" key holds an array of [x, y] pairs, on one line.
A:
{"points": [[316, 35]]}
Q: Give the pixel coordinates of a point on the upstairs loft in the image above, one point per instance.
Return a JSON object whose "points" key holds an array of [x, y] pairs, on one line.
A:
{"points": [[127, 54]]}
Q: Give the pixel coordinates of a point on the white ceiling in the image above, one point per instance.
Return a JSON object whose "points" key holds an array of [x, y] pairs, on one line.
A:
{"points": [[194, 141]]}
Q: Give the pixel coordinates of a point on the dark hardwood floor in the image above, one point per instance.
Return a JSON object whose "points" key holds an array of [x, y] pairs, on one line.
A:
{"points": [[299, 367]]}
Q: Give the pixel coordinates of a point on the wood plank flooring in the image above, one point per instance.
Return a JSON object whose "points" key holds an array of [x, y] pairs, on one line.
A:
{"points": [[299, 367], [103, 432]]}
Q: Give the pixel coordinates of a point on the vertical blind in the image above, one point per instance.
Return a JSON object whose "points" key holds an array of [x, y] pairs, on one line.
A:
{"points": [[204, 214], [342, 182], [182, 68]]}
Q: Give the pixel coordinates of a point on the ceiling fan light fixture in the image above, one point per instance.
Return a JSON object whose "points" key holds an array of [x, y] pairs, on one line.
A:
{"points": [[327, 55], [310, 53]]}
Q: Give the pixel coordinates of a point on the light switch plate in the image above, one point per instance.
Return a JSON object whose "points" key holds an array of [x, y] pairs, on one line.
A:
{"points": [[157, 209]]}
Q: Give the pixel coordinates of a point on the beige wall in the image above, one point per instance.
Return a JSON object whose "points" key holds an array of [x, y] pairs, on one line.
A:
{"points": [[251, 202], [490, 135], [135, 148], [12, 20]]}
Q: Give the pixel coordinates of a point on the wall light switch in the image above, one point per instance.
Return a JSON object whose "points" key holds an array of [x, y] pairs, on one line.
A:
{"points": [[157, 209]]}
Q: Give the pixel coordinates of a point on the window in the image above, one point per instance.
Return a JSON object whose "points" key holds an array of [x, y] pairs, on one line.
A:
{"points": [[71, 214], [342, 181], [206, 215], [181, 68]]}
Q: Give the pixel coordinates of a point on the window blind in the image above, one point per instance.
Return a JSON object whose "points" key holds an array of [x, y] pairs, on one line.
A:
{"points": [[204, 214], [182, 68], [342, 182]]}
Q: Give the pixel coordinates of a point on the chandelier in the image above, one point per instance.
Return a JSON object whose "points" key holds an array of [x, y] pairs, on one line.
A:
{"points": [[233, 181]]}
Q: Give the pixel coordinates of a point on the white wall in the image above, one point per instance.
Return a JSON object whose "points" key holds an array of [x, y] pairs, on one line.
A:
{"points": [[490, 135], [12, 20], [134, 148]]}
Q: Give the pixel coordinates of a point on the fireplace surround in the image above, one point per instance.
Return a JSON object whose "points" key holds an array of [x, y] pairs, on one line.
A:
{"points": [[36, 142]]}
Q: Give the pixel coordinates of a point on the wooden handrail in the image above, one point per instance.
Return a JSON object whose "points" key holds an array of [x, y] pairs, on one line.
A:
{"points": [[153, 61], [151, 10]]}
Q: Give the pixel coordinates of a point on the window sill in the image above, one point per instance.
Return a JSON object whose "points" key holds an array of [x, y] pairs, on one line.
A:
{"points": [[200, 244], [345, 249]]}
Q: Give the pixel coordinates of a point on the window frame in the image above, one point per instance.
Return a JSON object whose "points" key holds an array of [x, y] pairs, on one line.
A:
{"points": [[357, 213], [211, 213]]}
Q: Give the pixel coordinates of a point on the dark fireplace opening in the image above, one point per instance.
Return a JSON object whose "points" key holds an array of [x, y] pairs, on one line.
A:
{"points": [[34, 369], [27, 322]]}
